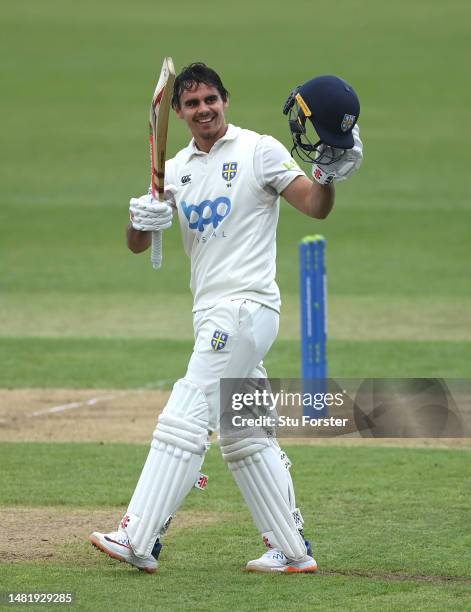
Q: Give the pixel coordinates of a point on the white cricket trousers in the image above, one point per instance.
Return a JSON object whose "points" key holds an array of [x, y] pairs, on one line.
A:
{"points": [[251, 329]]}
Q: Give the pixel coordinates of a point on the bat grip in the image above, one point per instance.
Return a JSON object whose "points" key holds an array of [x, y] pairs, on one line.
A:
{"points": [[156, 252], [156, 248]]}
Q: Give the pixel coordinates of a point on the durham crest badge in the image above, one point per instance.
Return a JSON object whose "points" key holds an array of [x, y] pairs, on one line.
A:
{"points": [[219, 339], [229, 171], [347, 122]]}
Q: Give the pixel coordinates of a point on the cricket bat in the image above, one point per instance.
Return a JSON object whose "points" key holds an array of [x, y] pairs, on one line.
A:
{"points": [[158, 126]]}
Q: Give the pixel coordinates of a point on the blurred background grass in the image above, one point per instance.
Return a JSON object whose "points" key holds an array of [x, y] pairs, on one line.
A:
{"points": [[79, 310], [77, 79]]}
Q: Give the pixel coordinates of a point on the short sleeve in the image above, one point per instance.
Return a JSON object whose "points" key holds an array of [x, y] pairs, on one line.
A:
{"points": [[274, 167], [170, 172]]}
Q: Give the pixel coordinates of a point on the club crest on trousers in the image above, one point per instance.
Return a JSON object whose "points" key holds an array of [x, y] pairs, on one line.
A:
{"points": [[219, 339]]}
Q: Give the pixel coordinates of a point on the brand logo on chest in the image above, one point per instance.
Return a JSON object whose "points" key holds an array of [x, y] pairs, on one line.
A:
{"points": [[209, 212]]}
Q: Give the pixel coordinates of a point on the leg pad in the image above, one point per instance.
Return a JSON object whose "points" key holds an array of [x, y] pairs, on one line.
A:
{"points": [[266, 486], [171, 469]]}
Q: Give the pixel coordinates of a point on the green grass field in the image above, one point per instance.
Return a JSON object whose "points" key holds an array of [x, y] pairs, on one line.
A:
{"points": [[80, 311], [390, 540], [75, 100]]}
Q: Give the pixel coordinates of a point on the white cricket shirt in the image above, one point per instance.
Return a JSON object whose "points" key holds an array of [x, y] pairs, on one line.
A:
{"points": [[228, 205]]}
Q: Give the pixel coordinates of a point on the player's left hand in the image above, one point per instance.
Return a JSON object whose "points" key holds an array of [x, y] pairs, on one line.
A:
{"points": [[150, 215], [341, 169]]}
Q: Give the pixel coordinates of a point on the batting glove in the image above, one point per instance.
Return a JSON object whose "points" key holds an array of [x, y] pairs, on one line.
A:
{"points": [[341, 169], [150, 215]]}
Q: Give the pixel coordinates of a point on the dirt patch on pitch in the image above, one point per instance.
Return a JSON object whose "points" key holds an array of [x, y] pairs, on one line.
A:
{"points": [[100, 415], [34, 534], [79, 415]]}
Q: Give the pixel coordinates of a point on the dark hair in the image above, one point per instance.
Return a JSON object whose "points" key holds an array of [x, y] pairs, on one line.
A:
{"points": [[192, 75]]}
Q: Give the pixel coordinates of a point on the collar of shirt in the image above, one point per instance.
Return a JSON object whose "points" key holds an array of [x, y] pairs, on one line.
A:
{"points": [[230, 134]]}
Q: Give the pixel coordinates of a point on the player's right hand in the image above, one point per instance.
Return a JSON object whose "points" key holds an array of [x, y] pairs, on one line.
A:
{"points": [[150, 215], [346, 164]]}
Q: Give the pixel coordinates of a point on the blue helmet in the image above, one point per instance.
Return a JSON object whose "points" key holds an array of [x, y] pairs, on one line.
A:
{"points": [[332, 107]]}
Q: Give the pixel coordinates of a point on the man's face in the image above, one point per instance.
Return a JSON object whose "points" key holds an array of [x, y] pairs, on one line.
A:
{"points": [[203, 110]]}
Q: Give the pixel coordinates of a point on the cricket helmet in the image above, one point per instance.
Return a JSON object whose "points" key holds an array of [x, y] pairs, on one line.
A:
{"points": [[332, 107]]}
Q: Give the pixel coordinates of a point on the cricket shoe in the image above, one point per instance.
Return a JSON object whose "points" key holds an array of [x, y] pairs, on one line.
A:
{"points": [[276, 561], [116, 545]]}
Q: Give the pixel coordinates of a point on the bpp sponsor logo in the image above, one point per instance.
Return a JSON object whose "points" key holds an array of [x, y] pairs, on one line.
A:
{"points": [[209, 212]]}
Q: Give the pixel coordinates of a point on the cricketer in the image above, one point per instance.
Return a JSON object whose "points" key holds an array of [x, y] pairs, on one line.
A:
{"points": [[225, 188]]}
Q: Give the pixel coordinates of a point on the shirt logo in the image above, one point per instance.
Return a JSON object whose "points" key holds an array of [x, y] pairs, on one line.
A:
{"points": [[347, 122], [229, 170], [219, 339], [186, 179], [291, 165], [207, 213]]}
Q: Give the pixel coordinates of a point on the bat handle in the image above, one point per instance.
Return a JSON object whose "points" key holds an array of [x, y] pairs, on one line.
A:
{"points": [[156, 252]]}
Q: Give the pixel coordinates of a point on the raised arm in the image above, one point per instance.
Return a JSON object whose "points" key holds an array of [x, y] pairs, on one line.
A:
{"points": [[309, 197]]}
